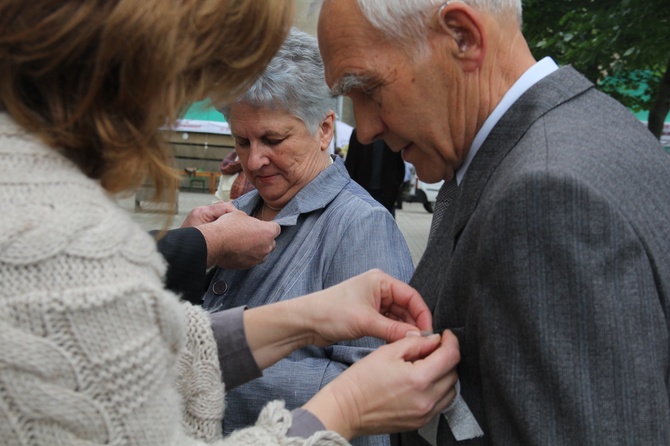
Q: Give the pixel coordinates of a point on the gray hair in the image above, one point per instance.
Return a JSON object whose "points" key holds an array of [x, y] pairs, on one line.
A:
{"points": [[405, 21], [293, 81]]}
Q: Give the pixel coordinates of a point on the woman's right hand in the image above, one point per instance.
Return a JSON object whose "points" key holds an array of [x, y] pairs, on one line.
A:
{"points": [[398, 387], [234, 240]]}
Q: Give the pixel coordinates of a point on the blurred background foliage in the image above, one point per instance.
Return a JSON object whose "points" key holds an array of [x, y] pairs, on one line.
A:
{"points": [[622, 46]]}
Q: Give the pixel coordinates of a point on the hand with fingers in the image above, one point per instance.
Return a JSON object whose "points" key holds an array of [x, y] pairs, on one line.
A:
{"points": [[398, 387], [234, 239]]}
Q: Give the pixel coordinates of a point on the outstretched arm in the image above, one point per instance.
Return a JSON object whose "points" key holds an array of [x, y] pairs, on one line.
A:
{"points": [[421, 369], [371, 304]]}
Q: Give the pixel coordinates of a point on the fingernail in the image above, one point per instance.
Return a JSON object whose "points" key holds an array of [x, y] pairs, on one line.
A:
{"points": [[413, 334]]}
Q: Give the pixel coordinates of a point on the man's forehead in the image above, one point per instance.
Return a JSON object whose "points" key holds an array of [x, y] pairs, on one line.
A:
{"points": [[344, 63], [342, 30], [347, 44]]}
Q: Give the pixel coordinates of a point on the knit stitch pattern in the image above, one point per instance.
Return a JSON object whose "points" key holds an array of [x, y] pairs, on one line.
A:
{"points": [[93, 349]]}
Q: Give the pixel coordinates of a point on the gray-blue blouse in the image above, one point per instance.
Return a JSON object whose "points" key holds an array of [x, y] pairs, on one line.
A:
{"points": [[330, 231]]}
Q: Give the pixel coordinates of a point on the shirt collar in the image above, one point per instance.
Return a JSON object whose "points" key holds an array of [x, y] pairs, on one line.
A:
{"points": [[316, 194], [534, 74]]}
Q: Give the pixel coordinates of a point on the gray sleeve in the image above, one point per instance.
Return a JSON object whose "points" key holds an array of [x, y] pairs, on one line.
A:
{"points": [[238, 365], [304, 424]]}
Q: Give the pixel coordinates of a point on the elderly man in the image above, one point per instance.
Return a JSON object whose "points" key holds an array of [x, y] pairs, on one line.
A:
{"points": [[549, 253]]}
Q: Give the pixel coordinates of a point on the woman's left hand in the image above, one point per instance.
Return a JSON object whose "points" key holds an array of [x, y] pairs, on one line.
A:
{"points": [[370, 304]]}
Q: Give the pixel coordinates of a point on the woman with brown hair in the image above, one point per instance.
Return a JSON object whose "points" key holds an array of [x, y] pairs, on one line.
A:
{"points": [[93, 348]]}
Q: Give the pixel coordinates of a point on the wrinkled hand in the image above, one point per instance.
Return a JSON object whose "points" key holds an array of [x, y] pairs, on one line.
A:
{"points": [[207, 214], [398, 387], [370, 304], [234, 239]]}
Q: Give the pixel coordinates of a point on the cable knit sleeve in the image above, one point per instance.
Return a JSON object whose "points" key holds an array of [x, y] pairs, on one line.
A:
{"points": [[93, 348], [199, 377], [271, 428], [199, 383]]}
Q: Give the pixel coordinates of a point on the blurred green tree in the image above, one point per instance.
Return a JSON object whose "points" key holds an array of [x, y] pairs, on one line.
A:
{"points": [[622, 46]]}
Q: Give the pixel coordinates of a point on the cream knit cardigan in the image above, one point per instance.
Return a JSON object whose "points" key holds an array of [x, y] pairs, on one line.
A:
{"points": [[93, 349]]}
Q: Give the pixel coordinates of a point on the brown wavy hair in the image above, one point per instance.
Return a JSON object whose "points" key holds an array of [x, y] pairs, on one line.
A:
{"points": [[96, 79]]}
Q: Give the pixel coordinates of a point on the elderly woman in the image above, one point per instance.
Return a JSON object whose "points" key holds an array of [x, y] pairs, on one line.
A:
{"points": [[332, 229]]}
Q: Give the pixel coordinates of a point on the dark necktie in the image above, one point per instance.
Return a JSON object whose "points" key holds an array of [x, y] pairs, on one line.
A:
{"points": [[444, 197]]}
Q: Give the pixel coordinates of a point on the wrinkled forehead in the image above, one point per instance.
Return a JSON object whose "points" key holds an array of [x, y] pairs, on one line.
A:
{"points": [[347, 43]]}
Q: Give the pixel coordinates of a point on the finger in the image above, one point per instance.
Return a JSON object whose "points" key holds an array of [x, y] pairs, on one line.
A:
{"points": [[406, 304], [387, 327], [221, 208], [415, 348], [442, 360], [450, 340], [275, 227], [446, 388]]}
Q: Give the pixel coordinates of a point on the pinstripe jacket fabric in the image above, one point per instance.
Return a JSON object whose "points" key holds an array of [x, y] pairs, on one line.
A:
{"points": [[554, 271]]}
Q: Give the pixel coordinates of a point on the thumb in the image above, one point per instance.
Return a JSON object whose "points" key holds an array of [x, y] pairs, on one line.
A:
{"points": [[390, 330], [414, 348], [276, 229], [221, 208]]}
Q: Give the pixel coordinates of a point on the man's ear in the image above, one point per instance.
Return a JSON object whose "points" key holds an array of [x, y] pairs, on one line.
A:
{"points": [[327, 129], [463, 24]]}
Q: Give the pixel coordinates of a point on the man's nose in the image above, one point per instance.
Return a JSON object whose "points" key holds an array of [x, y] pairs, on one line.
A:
{"points": [[369, 125]]}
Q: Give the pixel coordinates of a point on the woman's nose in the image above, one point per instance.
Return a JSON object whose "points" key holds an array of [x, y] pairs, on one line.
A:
{"points": [[257, 157]]}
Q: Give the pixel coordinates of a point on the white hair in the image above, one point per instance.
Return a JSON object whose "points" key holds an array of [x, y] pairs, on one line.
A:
{"points": [[406, 21], [293, 81]]}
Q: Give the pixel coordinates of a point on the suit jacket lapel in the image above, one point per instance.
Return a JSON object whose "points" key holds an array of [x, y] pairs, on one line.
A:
{"points": [[542, 97], [431, 277], [430, 273]]}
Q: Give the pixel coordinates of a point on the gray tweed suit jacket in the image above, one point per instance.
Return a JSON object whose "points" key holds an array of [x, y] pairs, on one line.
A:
{"points": [[553, 268]]}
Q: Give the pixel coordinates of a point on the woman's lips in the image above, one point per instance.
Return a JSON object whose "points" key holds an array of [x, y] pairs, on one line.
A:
{"points": [[266, 178]]}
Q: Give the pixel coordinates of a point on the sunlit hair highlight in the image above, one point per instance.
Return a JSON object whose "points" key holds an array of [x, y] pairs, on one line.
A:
{"points": [[96, 79]]}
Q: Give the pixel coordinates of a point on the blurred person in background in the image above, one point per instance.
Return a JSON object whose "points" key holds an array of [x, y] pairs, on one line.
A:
{"points": [[377, 169], [233, 182]]}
